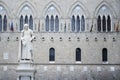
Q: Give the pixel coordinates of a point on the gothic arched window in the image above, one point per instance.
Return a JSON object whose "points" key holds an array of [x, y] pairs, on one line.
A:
{"points": [[73, 23], [31, 22], [52, 23], [78, 54], [99, 23], [56, 24], [108, 23], [21, 23], [0, 23], [52, 54], [5, 23], [104, 24], [78, 23], [104, 55], [47, 23], [104, 19], [26, 19], [82, 23]]}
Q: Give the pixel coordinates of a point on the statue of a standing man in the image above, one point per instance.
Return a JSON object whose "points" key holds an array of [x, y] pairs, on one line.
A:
{"points": [[26, 44]]}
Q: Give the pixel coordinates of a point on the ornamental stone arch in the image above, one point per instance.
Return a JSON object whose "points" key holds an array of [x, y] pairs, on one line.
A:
{"points": [[81, 6], [6, 9], [52, 5], [102, 12], [26, 13], [78, 15], [52, 15], [4, 17], [108, 6], [28, 6]]}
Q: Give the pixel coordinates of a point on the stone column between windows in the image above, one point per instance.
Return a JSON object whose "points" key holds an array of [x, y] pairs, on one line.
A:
{"points": [[106, 25], [75, 25], [49, 25], [101, 24], [80, 24], [54, 24]]}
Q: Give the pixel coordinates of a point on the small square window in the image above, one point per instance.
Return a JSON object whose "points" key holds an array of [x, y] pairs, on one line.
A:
{"points": [[5, 56]]}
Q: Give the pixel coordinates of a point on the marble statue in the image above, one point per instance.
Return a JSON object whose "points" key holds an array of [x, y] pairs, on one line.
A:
{"points": [[25, 51]]}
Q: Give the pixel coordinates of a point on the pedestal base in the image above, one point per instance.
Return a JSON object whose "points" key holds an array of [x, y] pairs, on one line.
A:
{"points": [[25, 70]]}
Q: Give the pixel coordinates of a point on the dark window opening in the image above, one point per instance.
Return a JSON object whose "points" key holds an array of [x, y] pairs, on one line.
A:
{"points": [[104, 55], [104, 24], [108, 24], [73, 23], [78, 54], [47, 23], [52, 54], [31, 22], [99, 23], [21, 23]]}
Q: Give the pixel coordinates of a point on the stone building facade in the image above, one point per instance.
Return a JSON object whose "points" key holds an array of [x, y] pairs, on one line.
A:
{"points": [[74, 39]]}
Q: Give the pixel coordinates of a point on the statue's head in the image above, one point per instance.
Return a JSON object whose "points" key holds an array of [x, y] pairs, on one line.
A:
{"points": [[26, 26]]}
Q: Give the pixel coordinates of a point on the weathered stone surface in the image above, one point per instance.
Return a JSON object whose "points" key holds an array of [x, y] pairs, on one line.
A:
{"points": [[64, 42]]}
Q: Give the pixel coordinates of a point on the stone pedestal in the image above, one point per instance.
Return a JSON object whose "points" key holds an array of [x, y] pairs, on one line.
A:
{"points": [[25, 70]]}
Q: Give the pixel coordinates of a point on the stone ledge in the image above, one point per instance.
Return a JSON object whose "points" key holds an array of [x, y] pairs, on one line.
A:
{"points": [[57, 64]]}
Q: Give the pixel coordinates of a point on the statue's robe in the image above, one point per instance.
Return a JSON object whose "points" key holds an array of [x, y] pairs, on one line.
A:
{"points": [[25, 46]]}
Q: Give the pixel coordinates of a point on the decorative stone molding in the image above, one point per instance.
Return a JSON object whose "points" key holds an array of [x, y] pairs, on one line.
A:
{"points": [[105, 39], [17, 39], [114, 39], [61, 39], [96, 39], [78, 39], [69, 39], [8, 39], [52, 39], [43, 38], [87, 39], [34, 39]]}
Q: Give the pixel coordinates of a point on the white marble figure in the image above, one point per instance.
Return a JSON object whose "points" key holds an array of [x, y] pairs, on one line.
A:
{"points": [[27, 37]]}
